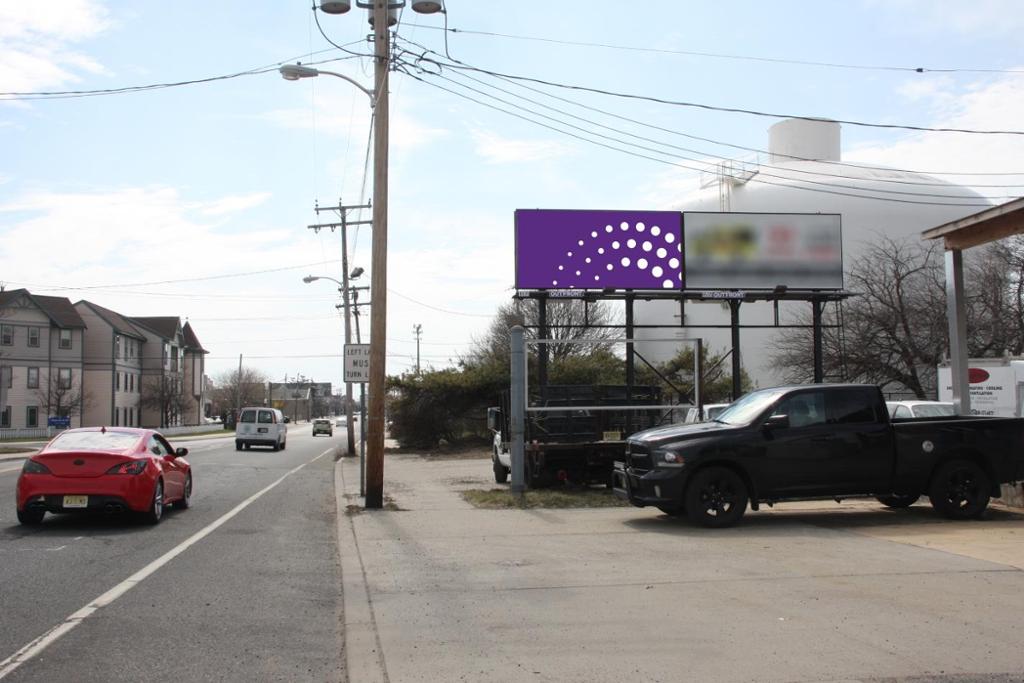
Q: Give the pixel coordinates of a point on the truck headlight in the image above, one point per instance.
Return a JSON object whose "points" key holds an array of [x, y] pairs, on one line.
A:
{"points": [[664, 457]]}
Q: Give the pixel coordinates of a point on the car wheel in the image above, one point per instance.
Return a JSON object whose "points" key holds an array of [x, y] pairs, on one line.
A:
{"points": [[156, 506], [716, 497], [284, 444], [500, 471], [959, 490], [276, 446], [186, 497], [30, 517], [898, 502], [238, 445]]}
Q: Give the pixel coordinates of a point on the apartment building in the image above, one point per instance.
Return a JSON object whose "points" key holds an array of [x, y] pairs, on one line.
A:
{"points": [[42, 353], [194, 389], [112, 367]]}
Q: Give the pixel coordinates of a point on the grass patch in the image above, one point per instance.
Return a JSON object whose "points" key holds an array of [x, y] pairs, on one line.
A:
{"points": [[503, 499]]}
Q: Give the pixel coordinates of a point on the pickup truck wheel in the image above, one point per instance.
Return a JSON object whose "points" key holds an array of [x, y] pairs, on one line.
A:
{"points": [[500, 471], [960, 490], [897, 502], [716, 497]]}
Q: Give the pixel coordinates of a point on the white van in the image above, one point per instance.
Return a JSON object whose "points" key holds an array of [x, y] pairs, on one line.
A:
{"points": [[261, 427]]}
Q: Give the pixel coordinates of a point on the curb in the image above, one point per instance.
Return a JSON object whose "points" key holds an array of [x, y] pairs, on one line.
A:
{"points": [[364, 657]]}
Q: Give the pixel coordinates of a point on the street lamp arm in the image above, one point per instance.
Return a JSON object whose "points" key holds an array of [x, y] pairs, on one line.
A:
{"points": [[293, 72]]}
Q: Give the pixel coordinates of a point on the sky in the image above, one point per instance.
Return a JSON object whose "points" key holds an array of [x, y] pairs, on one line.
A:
{"points": [[194, 200]]}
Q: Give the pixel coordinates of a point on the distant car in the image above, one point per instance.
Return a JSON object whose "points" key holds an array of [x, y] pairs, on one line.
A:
{"points": [[910, 409], [112, 470], [323, 427], [711, 411], [339, 423], [261, 427]]}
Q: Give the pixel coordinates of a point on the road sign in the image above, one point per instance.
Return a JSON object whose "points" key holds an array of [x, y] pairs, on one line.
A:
{"points": [[60, 422], [357, 363]]}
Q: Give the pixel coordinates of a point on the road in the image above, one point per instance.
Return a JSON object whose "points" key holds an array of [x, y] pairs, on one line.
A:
{"points": [[256, 598]]}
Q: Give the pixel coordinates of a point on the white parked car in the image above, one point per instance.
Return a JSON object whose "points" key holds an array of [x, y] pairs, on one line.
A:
{"points": [[901, 410], [711, 411]]}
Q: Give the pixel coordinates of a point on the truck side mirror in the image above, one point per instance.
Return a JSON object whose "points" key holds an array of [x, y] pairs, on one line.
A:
{"points": [[494, 419], [777, 422]]}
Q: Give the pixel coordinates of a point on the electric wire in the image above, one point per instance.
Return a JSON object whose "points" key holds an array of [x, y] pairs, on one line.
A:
{"points": [[760, 167], [684, 166], [718, 108], [722, 143], [718, 55], [939, 183], [73, 94]]}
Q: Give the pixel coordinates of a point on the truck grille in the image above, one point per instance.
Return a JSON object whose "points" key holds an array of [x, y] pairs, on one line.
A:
{"points": [[638, 457]]}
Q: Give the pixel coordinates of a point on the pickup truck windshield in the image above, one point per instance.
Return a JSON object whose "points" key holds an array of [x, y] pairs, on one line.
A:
{"points": [[744, 410]]}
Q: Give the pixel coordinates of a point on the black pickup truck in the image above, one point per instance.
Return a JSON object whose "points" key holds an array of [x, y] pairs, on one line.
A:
{"points": [[819, 442]]}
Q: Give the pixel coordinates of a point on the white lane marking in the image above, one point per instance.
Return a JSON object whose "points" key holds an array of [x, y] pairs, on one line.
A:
{"points": [[29, 651]]}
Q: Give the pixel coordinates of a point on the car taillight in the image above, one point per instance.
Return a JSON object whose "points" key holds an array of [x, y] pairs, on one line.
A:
{"points": [[33, 467], [133, 467]]}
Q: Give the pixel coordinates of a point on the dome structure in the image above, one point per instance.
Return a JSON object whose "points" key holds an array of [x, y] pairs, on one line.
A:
{"points": [[802, 175]]}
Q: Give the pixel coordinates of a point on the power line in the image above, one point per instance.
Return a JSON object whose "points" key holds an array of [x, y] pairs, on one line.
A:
{"points": [[751, 149], [692, 168], [701, 161], [710, 107], [719, 55], [71, 94], [119, 286]]}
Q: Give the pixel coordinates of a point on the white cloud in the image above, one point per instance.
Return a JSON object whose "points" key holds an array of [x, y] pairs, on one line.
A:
{"points": [[233, 204], [36, 38], [991, 104], [499, 150]]}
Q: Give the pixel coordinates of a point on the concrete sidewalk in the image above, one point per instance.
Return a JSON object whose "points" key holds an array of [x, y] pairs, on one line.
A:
{"points": [[440, 591]]}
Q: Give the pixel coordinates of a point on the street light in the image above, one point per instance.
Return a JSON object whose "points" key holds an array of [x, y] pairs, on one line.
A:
{"points": [[379, 259], [343, 288]]}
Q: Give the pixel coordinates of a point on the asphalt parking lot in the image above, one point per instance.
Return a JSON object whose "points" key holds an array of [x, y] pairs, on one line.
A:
{"points": [[440, 591]]}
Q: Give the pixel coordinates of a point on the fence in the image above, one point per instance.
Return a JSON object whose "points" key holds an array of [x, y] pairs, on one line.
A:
{"points": [[47, 433]]}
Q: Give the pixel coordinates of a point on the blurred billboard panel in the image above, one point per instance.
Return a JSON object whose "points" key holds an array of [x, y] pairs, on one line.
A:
{"points": [[762, 250], [565, 249]]}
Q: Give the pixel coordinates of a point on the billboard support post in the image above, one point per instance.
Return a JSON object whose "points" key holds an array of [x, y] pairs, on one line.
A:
{"points": [[630, 360], [517, 409], [819, 369], [734, 321], [542, 357]]}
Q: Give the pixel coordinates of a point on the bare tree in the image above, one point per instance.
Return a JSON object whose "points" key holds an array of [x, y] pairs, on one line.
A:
{"points": [[62, 395], [895, 332], [163, 394], [568, 320], [233, 389]]}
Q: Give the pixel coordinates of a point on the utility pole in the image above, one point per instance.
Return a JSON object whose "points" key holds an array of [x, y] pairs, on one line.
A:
{"points": [[379, 261], [238, 390], [417, 330], [342, 212]]}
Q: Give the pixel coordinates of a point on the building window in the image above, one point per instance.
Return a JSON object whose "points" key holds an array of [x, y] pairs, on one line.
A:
{"points": [[64, 378], [5, 417], [131, 382], [117, 382], [6, 335], [33, 336], [10, 378], [32, 416], [33, 378], [174, 359], [116, 411], [117, 346], [65, 339]]}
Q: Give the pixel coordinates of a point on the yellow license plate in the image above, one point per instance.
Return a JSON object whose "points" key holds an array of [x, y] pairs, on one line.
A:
{"points": [[76, 501], [612, 436]]}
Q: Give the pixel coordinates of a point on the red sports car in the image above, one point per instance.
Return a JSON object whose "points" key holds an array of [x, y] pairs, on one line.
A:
{"points": [[113, 470]]}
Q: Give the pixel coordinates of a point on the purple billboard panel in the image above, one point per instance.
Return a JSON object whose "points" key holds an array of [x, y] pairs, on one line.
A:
{"points": [[563, 249]]}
